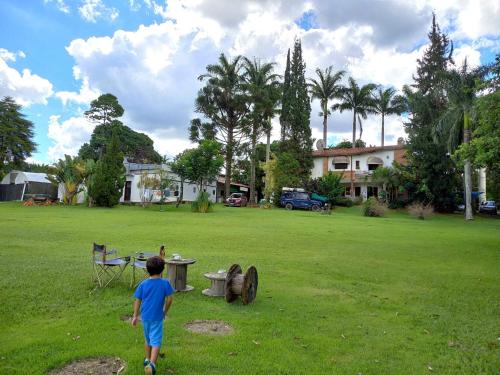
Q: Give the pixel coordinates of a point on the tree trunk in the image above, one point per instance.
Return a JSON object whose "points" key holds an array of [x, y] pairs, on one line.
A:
{"points": [[353, 129], [482, 184], [382, 129], [467, 171], [252, 165], [229, 160], [268, 146], [353, 146], [325, 126], [181, 194]]}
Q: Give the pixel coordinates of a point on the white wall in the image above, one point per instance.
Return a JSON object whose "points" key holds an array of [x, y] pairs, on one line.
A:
{"points": [[190, 190], [317, 170]]}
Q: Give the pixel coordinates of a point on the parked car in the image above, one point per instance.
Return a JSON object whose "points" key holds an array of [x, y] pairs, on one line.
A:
{"points": [[488, 207], [299, 199], [236, 200]]}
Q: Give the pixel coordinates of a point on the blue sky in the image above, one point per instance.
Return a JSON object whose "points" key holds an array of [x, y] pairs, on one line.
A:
{"points": [[149, 54]]}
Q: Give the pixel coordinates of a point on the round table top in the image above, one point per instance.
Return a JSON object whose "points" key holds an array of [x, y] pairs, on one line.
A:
{"points": [[144, 255], [180, 261], [215, 275]]}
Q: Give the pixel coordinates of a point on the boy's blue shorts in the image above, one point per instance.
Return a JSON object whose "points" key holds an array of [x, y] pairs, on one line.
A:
{"points": [[153, 332]]}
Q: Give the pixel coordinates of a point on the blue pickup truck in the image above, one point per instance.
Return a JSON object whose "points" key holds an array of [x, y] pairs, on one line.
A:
{"points": [[300, 199]]}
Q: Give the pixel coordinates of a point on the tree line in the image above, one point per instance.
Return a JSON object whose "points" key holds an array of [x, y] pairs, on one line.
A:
{"points": [[451, 111]]}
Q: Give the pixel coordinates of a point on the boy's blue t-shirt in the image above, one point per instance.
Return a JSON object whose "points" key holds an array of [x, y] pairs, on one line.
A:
{"points": [[152, 293]]}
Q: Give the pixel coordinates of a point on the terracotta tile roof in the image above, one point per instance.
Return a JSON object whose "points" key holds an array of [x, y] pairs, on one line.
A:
{"points": [[355, 151]]}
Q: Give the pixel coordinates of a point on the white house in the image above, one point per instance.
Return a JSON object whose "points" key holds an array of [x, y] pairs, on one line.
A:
{"points": [[133, 191], [358, 164]]}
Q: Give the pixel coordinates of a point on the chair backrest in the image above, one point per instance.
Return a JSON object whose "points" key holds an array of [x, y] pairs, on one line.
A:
{"points": [[100, 250]]}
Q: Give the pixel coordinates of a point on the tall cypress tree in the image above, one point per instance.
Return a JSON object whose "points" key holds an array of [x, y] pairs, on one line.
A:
{"points": [[428, 154], [109, 176], [285, 101], [296, 139]]}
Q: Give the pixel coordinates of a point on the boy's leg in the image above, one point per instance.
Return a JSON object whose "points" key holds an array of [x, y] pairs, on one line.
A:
{"points": [[154, 354], [155, 339], [147, 349]]}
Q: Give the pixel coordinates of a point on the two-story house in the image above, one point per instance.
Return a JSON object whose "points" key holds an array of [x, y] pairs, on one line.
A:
{"points": [[358, 164]]}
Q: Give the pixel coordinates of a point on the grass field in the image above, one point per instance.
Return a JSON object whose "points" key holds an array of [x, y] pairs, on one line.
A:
{"points": [[339, 294]]}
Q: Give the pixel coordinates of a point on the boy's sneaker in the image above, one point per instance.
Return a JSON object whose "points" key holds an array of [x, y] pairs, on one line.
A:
{"points": [[146, 362], [150, 369]]}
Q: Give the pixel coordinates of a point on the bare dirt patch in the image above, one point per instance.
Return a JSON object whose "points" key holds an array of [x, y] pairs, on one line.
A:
{"points": [[92, 366], [209, 327]]}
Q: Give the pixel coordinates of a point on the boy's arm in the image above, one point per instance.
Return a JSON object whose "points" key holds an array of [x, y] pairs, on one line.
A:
{"points": [[168, 302], [137, 305]]}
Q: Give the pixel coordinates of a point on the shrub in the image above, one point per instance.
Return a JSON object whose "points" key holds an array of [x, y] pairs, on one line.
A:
{"points": [[344, 202], [372, 207], [399, 203], [202, 203], [421, 211]]}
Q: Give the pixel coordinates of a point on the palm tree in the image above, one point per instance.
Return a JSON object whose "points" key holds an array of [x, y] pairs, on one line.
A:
{"points": [[70, 172], [263, 89], [386, 102], [358, 100], [326, 88], [223, 101], [456, 122]]}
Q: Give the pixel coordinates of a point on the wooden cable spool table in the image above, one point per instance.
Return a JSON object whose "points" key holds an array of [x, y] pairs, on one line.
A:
{"points": [[237, 284], [218, 280], [177, 273]]}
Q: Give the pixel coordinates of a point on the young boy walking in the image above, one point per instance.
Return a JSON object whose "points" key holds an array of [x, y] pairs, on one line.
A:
{"points": [[153, 297]]}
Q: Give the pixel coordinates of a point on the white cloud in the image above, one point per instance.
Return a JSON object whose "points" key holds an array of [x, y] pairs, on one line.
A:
{"points": [[60, 4], [26, 88], [153, 69], [84, 96], [67, 136], [92, 10]]}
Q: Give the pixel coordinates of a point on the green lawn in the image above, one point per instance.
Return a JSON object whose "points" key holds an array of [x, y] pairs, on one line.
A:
{"points": [[339, 294]]}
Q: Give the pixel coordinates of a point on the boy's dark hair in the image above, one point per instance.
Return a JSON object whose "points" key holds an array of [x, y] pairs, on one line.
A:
{"points": [[155, 265]]}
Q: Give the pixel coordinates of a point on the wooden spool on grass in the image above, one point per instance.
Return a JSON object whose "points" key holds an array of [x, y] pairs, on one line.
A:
{"points": [[238, 284]]}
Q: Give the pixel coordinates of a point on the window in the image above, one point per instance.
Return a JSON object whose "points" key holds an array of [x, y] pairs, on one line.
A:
{"points": [[340, 165], [357, 164], [302, 196], [357, 191], [213, 192], [372, 167], [194, 190], [347, 190], [176, 193]]}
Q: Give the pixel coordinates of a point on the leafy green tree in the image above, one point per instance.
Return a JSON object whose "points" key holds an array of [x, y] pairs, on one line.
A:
{"points": [[286, 173], [325, 89], [348, 144], [295, 116], [70, 172], [203, 163], [104, 109], [263, 89], [385, 103], [137, 147], [16, 135], [329, 186], [429, 157], [179, 166], [223, 100], [109, 176]]}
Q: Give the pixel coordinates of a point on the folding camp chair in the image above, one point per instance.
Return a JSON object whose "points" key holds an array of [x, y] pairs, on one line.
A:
{"points": [[106, 270]]}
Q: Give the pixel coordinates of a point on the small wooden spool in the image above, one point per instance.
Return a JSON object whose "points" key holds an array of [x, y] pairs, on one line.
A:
{"points": [[238, 284], [218, 280]]}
